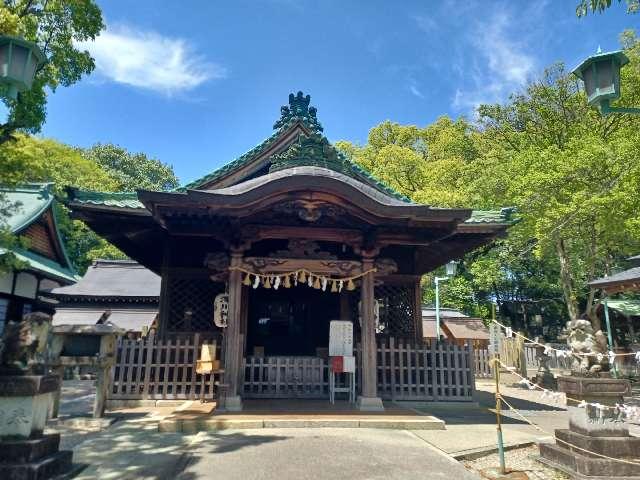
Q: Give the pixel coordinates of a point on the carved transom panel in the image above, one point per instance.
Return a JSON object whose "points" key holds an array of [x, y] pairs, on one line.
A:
{"points": [[310, 210]]}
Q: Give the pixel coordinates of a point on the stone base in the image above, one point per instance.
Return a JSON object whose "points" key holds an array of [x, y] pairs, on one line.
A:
{"points": [[370, 404], [598, 435], [232, 404], [25, 403], [616, 447], [586, 468], [34, 459]]}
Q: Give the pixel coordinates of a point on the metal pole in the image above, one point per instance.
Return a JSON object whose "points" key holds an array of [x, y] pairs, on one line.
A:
{"points": [[609, 334], [437, 310], [496, 371]]}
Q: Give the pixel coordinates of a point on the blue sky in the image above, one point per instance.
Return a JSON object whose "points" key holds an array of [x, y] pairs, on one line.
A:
{"points": [[197, 83]]}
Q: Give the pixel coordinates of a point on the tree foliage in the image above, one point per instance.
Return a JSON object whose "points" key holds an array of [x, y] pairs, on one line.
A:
{"points": [[133, 171], [29, 159], [599, 6], [572, 174], [55, 26]]}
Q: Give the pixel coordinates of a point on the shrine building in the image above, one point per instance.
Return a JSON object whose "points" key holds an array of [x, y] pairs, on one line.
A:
{"points": [[296, 235]]}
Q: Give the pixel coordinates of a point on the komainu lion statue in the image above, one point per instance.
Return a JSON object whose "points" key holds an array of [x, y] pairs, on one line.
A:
{"points": [[23, 344], [582, 340]]}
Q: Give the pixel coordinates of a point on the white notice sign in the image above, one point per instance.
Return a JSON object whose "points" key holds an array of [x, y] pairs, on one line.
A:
{"points": [[340, 338]]}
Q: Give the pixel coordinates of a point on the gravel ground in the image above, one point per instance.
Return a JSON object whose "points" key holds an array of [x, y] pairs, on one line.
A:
{"points": [[518, 459]]}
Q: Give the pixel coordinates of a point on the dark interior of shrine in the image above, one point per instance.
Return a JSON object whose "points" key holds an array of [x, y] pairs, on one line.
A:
{"points": [[293, 321]]}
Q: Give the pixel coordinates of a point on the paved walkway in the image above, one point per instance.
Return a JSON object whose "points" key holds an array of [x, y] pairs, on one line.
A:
{"points": [[132, 448]]}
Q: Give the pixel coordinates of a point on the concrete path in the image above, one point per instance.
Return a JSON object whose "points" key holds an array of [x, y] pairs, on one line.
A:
{"points": [[133, 450], [318, 454]]}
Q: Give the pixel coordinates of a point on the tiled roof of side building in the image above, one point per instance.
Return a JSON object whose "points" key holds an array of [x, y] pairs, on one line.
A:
{"points": [[114, 278], [26, 203], [504, 215], [108, 199], [630, 275]]}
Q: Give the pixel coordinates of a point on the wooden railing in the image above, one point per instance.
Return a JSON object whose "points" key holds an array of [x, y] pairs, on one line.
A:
{"points": [[285, 377], [161, 369], [482, 361], [406, 371], [424, 371], [157, 369]]}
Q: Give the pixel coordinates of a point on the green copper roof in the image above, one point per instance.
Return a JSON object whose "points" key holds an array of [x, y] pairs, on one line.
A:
{"points": [[315, 150], [43, 264], [27, 203], [108, 199], [299, 111], [504, 215]]}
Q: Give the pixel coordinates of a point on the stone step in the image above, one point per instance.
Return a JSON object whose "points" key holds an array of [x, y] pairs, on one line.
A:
{"points": [[586, 467], [617, 447], [45, 468], [29, 450], [193, 425]]}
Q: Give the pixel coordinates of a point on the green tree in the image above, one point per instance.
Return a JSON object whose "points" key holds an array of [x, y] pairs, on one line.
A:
{"points": [[132, 170], [572, 175], [29, 159], [54, 26], [583, 8]]}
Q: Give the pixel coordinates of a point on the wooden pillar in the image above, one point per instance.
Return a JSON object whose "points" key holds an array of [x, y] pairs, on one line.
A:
{"points": [[233, 349], [369, 399], [417, 312], [163, 317]]}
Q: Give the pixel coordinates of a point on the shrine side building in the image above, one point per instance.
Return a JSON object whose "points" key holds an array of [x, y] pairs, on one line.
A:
{"points": [[295, 235]]}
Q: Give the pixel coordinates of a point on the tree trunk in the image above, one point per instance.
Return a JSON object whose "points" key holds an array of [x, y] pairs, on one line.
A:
{"points": [[592, 311], [566, 280]]}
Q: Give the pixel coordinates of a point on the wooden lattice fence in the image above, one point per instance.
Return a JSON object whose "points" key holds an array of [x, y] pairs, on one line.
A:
{"points": [[161, 369], [406, 371], [424, 371], [164, 369], [482, 360]]}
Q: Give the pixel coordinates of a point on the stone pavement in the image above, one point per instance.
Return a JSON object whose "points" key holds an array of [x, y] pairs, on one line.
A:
{"points": [[133, 450], [133, 447]]}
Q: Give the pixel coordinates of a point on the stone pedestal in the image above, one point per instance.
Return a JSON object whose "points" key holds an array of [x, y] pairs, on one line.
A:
{"points": [[601, 434], [25, 453], [370, 404]]}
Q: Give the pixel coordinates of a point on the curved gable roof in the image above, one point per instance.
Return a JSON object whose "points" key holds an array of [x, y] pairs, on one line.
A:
{"points": [[297, 137]]}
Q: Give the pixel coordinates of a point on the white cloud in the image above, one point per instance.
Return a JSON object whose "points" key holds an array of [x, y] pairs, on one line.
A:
{"points": [[496, 64], [149, 60], [415, 90]]}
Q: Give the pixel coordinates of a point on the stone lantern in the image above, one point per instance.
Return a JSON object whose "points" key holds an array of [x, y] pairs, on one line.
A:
{"points": [[601, 76], [19, 60]]}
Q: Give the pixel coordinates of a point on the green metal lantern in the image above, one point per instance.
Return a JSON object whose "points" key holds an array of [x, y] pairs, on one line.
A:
{"points": [[601, 76], [19, 60]]}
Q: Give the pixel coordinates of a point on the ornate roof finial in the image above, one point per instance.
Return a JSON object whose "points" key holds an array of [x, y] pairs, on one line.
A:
{"points": [[299, 109]]}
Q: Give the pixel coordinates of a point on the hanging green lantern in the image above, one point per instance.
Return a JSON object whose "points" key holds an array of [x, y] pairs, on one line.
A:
{"points": [[19, 60]]}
